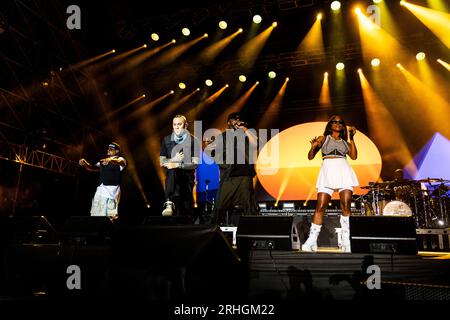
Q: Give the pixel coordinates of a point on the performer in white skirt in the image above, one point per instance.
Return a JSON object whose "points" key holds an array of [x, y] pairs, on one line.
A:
{"points": [[335, 175]]}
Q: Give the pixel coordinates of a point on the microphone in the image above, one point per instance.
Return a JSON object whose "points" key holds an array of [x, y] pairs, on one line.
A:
{"points": [[242, 123]]}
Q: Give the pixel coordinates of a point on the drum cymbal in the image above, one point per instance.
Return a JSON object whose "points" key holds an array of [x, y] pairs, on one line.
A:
{"points": [[431, 180], [377, 185]]}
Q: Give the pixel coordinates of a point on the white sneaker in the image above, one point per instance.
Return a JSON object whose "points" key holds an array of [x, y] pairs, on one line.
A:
{"points": [[168, 210], [309, 246]]}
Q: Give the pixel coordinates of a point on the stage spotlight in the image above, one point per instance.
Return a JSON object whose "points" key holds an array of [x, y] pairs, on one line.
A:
{"points": [[144, 46], [287, 79], [335, 5], [340, 66], [148, 206], [172, 92], [376, 1], [274, 24], [227, 85], [186, 31], [240, 30], [358, 10], [208, 82], [198, 89], [173, 40], [402, 3], [205, 35], [242, 78], [359, 70], [325, 74], [154, 37], [257, 82], [182, 85], [319, 16], [223, 25], [398, 65], [375, 62], [272, 74], [420, 56], [257, 19], [113, 50], [143, 96]]}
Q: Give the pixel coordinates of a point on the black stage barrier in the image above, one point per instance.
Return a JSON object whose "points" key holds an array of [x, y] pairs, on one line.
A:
{"points": [[174, 263], [265, 232], [383, 234]]}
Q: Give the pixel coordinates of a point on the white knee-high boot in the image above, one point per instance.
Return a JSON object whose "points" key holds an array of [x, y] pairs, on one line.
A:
{"points": [[345, 233], [311, 243]]}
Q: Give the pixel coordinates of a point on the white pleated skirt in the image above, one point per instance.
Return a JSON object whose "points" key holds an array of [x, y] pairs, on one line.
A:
{"points": [[336, 173]]}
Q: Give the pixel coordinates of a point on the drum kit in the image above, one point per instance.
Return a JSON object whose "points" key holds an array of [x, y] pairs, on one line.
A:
{"points": [[427, 200]]}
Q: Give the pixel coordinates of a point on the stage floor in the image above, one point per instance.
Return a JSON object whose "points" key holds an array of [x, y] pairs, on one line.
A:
{"points": [[331, 275]]}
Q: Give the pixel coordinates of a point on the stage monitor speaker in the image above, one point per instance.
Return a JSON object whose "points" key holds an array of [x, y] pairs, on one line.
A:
{"points": [[174, 263], [265, 232], [27, 230], [383, 234], [85, 230]]}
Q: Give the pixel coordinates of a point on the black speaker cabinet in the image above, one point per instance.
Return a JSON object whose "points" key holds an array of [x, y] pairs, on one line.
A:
{"points": [[86, 230], [382, 234], [265, 232], [173, 263]]}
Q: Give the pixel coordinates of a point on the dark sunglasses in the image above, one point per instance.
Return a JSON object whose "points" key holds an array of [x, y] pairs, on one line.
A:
{"points": [[337, 121]]}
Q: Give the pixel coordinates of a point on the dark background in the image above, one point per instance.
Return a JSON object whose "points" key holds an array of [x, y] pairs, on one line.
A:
{"points": [[69, 115]]}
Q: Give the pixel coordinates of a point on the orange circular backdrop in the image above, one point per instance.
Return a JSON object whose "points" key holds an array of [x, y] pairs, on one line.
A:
{"points": [[286, 173]]}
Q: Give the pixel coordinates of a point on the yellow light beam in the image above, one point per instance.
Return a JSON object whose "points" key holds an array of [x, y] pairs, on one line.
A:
{"points": [[195, 112], [173, 53], [439, 5], [274, 106], [114, 112], [128, 64], [444, 64], [221, 121], [313, 41], [91, 60], [142, 110], [437, 21], [390, 141], [113, 127], [324, 99], [213, 50], [435, 105], [131, 166], [175, 105], [152, 145], [250, 50], [376, 42]]}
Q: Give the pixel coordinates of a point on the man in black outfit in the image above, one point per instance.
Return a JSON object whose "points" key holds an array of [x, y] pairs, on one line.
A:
{"points": [[235, 152], [107, 196], [179, 154]]}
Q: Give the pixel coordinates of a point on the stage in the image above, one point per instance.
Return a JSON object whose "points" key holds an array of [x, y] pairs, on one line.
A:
{"points": [[330, 275], [172, 263]]}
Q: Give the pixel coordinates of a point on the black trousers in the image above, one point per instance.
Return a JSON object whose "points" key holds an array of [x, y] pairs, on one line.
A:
{"points": [[179, 185], [235, 197]]}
